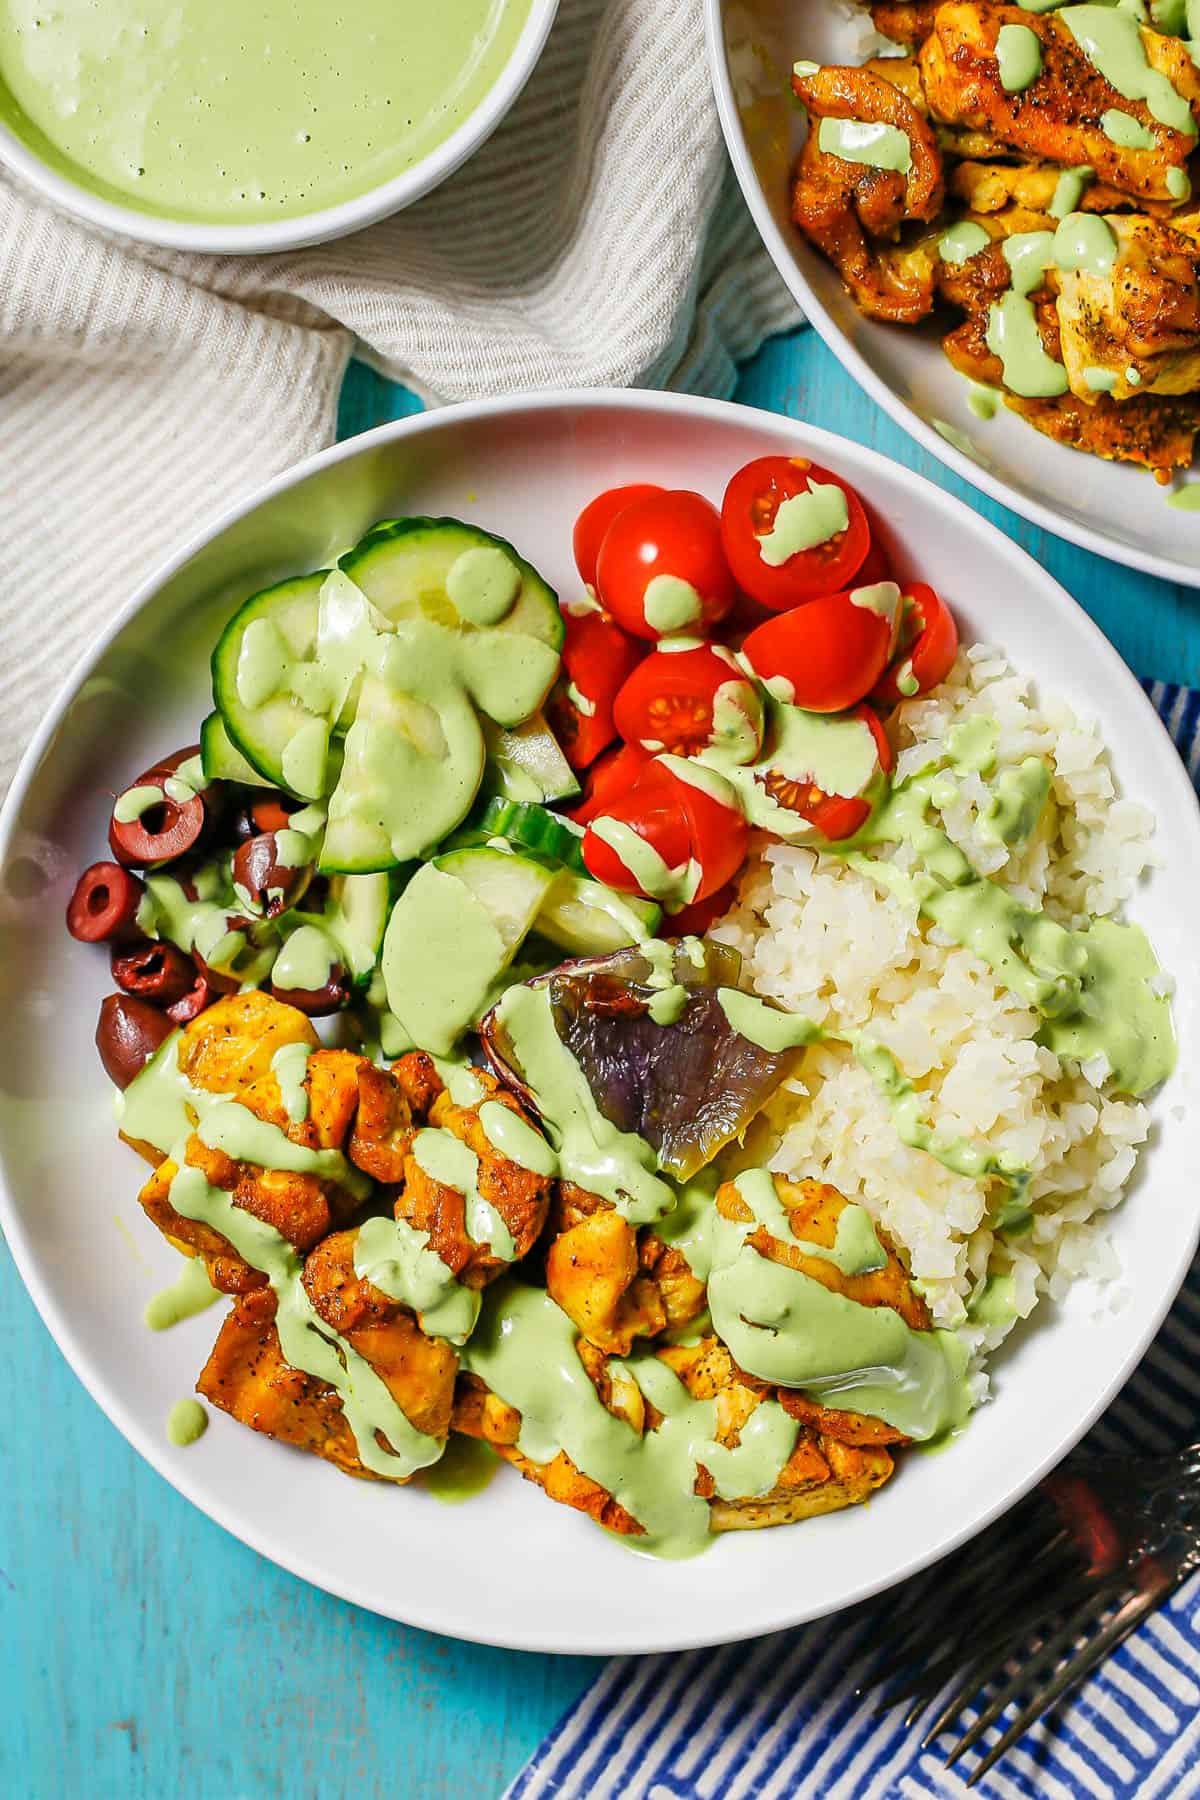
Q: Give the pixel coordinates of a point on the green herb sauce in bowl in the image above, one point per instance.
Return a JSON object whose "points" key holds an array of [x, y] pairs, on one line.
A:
{"points": [[253, 124]]}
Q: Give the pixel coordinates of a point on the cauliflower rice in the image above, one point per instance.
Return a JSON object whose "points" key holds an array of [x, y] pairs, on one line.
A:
{"points": [[821, 939]]}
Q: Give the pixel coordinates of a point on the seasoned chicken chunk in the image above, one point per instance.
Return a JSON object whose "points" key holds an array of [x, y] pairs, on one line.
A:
{"points": [[907, 22], [348, 1104], [1156, 431], [844, 206], [822, 1473], [989, 187], [814, 1209], [1060, 116], [247, 1377], [418, 1370], [1137, 327], [517, 1197], [613, 1282]]}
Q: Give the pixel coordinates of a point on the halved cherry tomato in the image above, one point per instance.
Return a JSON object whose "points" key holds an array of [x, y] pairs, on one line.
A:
{"points": [[688, 816], [651, 810], [685, 700], [833, 815], [613, 775], [771, 510], [875, 568], [831, 652], [661, 568], [595, 520], [716, 821], [694, 920], [597, 657], [926, 650]]}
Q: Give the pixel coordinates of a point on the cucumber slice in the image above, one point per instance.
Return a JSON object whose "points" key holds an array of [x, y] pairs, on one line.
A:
{"points": [[588, 918], [221, 759], [527, 763], [356, 917], [426, 568], [452, 934], [410, 773], [265, 645], [533, 828]]}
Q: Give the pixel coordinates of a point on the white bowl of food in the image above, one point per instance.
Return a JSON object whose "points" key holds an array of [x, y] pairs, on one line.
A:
{"points": [[247, 129], [988, 190], [933, 1143]]}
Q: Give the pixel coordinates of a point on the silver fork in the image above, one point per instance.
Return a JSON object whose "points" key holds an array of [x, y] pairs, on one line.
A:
{"points": [[1029, 1609]]}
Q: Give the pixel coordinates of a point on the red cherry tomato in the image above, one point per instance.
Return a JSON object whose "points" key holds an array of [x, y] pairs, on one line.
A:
{"points": [[694, 920], [687, 816], [597, 656], [833, 815], [595, 520], [875, 568], [927, 648], [762, 503], [685, 701], [612, 775], [661, 568], [652, 811], [830, 652], [718, 826]]}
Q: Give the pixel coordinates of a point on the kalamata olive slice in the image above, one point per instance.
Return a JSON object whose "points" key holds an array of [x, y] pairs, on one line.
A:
{"points": [[164, 828], [202, 993], [270, 884], [155, 972], [103, 908], [128, 1033], [318, 1002]]}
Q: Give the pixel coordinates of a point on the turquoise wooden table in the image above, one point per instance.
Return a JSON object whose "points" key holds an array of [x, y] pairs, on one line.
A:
{"points": [[143, 1652]]}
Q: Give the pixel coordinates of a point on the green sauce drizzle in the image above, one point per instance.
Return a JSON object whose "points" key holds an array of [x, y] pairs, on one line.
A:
{"points": [[854, 140], [805, 520], [186, 1421], [190, 1293], [1018, 57]]}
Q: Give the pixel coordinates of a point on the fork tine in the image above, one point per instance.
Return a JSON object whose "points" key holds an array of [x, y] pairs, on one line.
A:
{"points": [[1017, 1608], [930, 1627], [1126, 1619], [1044, 1657], [982, 1659]]}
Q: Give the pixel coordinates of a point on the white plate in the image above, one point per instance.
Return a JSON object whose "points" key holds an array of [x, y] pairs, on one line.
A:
{"points": [[1119, 512], [511, 1567]]}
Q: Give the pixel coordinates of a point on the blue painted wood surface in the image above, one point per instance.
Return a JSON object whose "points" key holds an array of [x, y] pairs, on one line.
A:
{"points": [[145, 1654]]}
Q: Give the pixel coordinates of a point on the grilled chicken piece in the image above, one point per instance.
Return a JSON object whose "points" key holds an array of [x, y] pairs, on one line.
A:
{"points": [[988, 187], [1143, 316], [1156, 431], [813, 1209], [520, 1196], [613, 1282], [907, 22], [351, 1105], [247, 1377], [823, 1473], [1058, 117], [418, 1370], [843, 207]]}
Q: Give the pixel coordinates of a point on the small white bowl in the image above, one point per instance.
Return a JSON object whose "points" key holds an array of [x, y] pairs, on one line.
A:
{"points": [[306, 228], [1112, 509], [511, 1567]]}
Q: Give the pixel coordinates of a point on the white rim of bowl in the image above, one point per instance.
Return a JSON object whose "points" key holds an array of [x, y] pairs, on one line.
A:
{"points": [[698, 410], [302, 230], [782, 254]]}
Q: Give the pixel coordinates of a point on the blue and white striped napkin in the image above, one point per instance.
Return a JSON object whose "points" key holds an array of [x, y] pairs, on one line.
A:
{"points": [[780, 1719]]}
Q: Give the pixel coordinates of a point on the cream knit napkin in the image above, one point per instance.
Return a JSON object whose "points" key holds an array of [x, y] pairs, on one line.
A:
{"points": [[598, 238]]}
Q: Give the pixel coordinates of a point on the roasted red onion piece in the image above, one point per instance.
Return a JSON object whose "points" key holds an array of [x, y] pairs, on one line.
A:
{"points": [[688, 1087]]}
